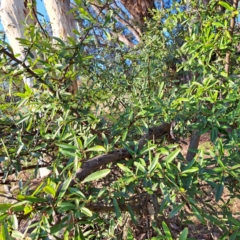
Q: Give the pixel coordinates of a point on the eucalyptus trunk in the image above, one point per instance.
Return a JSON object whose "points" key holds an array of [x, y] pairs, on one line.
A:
{"points": [[139, 9], [13, 14], [62, 23]]}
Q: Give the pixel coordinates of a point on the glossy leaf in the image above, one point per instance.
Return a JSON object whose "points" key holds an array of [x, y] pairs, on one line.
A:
{"points": [[166, 231], [96, 148], [176, 210], [172, 156], [184, 234], [63, 188], [97, 175]]}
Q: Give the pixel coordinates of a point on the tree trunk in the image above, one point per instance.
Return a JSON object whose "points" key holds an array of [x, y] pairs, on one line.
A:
{"points": [[62, 23], [231, 30], [139, 9], [13, 14]]}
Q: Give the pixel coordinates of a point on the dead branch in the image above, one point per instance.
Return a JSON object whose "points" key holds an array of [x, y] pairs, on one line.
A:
{"points": [[95, 163], [194, 142]]}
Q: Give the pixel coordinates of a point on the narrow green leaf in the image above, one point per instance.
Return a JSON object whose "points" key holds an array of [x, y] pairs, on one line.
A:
{"points": [[19, 206], [214, 134], [32, 199], [117, 211], [40, 146], [235, 167], [64, 188], [160, 90], [124, 168], [38, 189], [140, 167], [172, 156], [234, 221], [50, 190], [213, 219], [4, 231], [218, 24], [97, 175], [27, 209], [3, 217], [23, 119], [5, 206], [133, 217], [88, 140], [66, 146], [183, 100], [59, 40], [14, 221], [166, 231], [184, 233], [39, 71], [124, 135], [147, 149], [234, 235], [76, 192], [154, 163], [78, 235], [220, 162], [56, 228], [193, 169], [228, 34], [68, 152], [17, 235], [96, 148], [86, 211], [45, 223], [197, 214], [66, 204], [226, 5], [219, 191], [176, 210]]}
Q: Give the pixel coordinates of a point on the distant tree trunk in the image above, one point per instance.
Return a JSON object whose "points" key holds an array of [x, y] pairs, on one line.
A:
{"points": [[193, 146], [62, 23], [231, 30], [139, 9], [13, 14], [120, 36]]}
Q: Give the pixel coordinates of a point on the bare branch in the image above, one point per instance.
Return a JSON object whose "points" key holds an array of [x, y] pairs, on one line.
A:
{"points": [[95, 163], [26, 67], [194, 142], [120, 36]]}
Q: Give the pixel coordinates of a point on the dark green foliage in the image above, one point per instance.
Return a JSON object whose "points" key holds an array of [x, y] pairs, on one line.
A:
{"points": [[170, 76]]}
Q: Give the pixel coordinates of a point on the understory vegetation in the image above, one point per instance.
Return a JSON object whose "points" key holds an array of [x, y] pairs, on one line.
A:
{"points": [[115, 148]]}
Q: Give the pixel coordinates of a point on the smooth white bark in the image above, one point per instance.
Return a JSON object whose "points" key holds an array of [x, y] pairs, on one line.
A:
{"points": [[62, 21], [14, 13]]}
